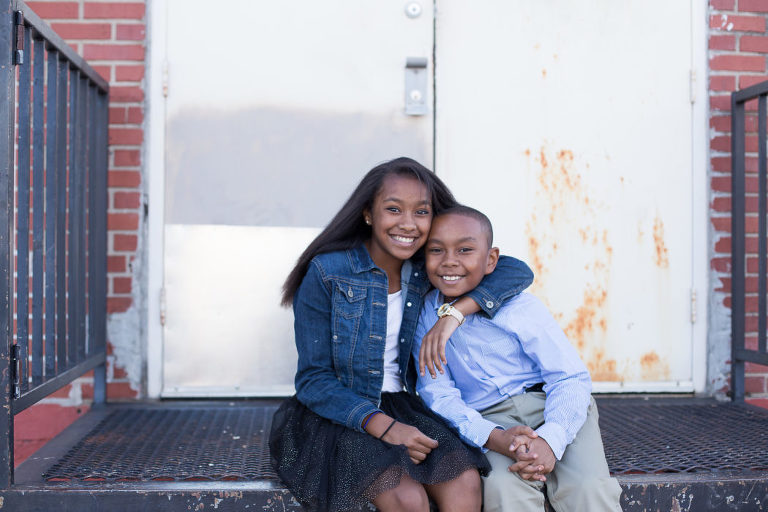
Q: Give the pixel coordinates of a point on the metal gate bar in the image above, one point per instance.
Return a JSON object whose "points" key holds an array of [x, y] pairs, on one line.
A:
{"points": [[53, 210], [748, 302]]}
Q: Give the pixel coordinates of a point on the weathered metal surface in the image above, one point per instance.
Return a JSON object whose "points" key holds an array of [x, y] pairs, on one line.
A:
{"points": [[62, 171], [704, 490], [193, 443], [274, 155], [94, 499], [63, 151], [743, 492], [7, 140], [676, 436], [229, 442], [566, 156]]}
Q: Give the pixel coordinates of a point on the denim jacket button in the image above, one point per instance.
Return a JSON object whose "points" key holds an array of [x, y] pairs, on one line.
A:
{"points": [[415, 274], [489, 304], [350, 294], [402, 340], [335, 337], [409, 304]]}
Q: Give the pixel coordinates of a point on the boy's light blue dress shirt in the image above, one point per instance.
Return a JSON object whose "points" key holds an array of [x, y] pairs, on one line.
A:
{"points": [[491, 360]]}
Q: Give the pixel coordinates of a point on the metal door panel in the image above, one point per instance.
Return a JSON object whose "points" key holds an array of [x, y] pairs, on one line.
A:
{"points": [[224, 335], [574, 135], [274, 112]]}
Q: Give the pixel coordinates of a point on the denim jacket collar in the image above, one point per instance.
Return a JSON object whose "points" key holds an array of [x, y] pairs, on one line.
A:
{"points": [[359, 259]]}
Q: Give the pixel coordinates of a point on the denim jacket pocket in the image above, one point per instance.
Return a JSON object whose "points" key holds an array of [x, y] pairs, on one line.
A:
{"points": [[349, 299], [348, 306]]}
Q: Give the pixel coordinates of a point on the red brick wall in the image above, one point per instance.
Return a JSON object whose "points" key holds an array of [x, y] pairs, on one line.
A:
{"points": [[738, 49], [112, 37]]}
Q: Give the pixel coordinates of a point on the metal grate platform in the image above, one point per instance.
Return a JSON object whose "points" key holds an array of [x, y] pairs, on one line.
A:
{"points": [[682, 436], [230, 443], [178, 444]]}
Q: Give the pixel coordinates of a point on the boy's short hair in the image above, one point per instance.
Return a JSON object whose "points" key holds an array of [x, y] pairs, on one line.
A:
{"points": [[468, 211]]}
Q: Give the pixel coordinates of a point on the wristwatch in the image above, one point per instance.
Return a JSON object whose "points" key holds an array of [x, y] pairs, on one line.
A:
{"points": [[449, 310]]}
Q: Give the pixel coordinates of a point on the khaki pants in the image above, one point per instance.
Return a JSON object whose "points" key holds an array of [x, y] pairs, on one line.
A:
{"points": [[580, 481]]}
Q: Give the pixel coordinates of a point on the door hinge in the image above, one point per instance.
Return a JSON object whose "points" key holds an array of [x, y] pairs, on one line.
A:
{"points": [[15, 371], [162, 306], [692, 85], [18, 50], [693, 306], [165, 79]]}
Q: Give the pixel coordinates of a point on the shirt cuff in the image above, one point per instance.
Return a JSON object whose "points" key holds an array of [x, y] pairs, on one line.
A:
{"points": [[478, 432], [555, 437]]}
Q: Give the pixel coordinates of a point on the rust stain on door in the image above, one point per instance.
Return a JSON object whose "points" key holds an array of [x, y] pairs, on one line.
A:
{"points": [[588, 317], [568, 220], [662, 254], [653, 368]]}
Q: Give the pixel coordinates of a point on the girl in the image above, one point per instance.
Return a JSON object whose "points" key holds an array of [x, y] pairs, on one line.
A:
{"points": [[355, 431]]}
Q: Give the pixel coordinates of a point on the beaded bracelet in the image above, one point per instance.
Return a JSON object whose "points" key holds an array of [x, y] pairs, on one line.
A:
{"points": [[389, 427], [365, 423]]}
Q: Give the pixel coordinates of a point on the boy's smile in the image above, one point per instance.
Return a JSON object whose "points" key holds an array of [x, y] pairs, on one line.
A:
{"points": [[458, 254]]}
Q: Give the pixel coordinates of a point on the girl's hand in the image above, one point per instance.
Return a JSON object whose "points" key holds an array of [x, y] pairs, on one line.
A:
{"points": [[432, 351], [418, 444]]}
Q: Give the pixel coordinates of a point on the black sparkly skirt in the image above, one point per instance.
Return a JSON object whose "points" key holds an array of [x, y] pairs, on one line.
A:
{"points": [[329, 467]]}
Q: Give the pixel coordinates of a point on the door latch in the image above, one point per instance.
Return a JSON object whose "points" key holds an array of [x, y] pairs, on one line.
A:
{"points": [[416, 86]]}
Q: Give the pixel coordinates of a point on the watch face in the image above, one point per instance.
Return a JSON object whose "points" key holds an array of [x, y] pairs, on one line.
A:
{"points": [[443, 310]]}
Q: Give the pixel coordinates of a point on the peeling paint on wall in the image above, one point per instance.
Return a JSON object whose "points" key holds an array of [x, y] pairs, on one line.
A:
{"points": [[125, 331], [718, 336]]}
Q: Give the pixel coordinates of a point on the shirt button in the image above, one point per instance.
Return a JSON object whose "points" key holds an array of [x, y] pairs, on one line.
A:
{"points": [[466, 357], [409, 304], [489, 304]]}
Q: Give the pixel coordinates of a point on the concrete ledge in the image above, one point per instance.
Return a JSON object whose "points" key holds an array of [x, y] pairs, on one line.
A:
{"points": [[736, 492]]}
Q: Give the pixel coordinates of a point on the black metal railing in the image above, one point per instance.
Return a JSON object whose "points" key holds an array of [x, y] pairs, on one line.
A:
{"points": [[53, 216], [748, 266]]}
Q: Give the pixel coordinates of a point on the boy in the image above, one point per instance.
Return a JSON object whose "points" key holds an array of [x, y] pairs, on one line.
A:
{"points": [[515, 369]]}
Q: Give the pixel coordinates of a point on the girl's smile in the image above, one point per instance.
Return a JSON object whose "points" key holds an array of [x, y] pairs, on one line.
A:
{"points": [[400, 217]]}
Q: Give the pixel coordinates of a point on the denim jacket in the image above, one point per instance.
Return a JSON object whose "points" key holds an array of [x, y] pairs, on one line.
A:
{"points": [[340, 323]]}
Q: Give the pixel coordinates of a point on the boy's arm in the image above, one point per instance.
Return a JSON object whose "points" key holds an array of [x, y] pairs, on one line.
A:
{"points": [[511, 277], [443, 397], [566, 379]]}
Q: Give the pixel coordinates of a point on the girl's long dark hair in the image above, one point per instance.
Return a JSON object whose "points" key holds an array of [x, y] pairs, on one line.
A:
{"points": [[348, 229]]}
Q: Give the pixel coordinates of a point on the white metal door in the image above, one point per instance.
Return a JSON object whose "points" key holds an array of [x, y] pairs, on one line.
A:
{"points": [[570, 124], [274, 111]]}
